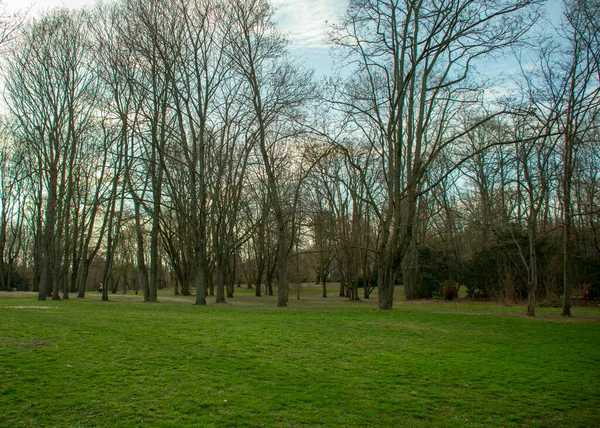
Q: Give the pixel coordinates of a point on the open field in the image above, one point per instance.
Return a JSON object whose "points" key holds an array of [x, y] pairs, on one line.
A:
{"points": [[319, 362]]}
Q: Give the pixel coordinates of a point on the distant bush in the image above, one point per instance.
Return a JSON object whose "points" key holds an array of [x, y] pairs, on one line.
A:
{"points": [[593, 292], [428, 286], [476, 293], [450, 290], [551, 302]]}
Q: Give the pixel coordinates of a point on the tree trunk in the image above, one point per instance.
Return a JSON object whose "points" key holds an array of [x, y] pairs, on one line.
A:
{"points": [[282, 291], [342, 292], [566, 306], [47, 244], [410, 271], [386, 279], [269, 280], [258, 282], [154, 259], [9, 277], [200, 274], [220, 283], [353, 292], [567, 220], [83, 277], [141, 262], [533, 273]]}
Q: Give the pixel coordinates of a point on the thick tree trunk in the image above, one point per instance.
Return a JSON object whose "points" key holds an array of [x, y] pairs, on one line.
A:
{"points": [[47, 244], [185, 286], [55, 287], [386, 279], [386, 273]]}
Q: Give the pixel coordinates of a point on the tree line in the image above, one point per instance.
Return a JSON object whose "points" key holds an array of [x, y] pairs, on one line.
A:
{"points": [[180, 142]]}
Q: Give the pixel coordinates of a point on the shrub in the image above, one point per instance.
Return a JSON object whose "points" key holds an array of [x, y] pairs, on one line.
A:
{"points": [[551, 302], [427, 287], [594, 291], [450, 290]]}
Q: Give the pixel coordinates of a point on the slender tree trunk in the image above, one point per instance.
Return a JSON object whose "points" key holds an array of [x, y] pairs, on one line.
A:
{"points": [[567, 221], [141, 261], [9, 277], [259, 277], [269, 281], [533, 272], [220, 283], [282, 291], [200, 275], [410, 271]]}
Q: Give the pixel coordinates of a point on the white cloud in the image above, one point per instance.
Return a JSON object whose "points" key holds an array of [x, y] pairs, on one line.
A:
{"points": [[40, 5], [306, 20]]}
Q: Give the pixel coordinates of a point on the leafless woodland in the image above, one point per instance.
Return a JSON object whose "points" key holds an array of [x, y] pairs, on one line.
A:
{"points": [[178, 143]]}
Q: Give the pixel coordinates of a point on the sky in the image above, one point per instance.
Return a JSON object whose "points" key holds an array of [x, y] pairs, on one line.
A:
{"points": [[303, 20]]}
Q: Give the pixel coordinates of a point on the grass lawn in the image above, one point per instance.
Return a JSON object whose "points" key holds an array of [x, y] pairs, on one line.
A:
{"points": [[319, 362]]}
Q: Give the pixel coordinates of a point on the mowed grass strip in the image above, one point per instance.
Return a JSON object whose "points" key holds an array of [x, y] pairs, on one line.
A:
{"points": [[320, 362]]}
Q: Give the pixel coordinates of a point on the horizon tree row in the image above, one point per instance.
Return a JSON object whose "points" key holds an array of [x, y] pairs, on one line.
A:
{"points": [[180, 139]]}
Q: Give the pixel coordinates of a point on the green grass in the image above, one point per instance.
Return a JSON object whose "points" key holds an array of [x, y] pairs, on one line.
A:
{"points": [[319, 362]]}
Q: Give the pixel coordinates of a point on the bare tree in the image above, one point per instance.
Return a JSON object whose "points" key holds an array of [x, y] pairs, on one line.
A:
{"points": [[153, 82], [277, 89], [564, 93], [10, 25], [413, 63], [13, 196], [578, 93], [51, 91]]}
